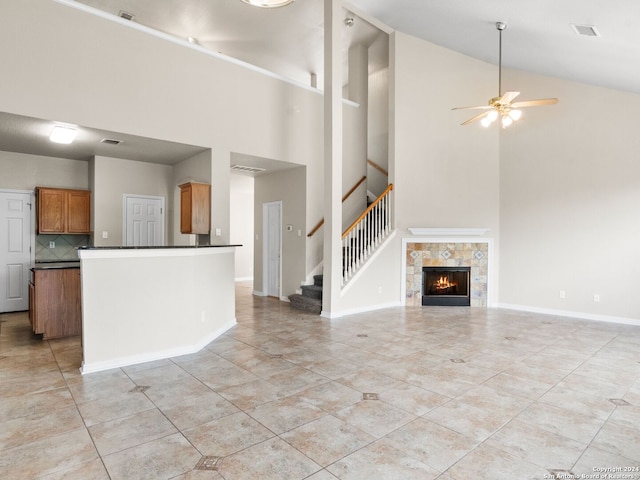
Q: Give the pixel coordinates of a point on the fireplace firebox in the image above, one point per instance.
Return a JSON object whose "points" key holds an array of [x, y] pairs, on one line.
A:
{"points": [[446, 286]]}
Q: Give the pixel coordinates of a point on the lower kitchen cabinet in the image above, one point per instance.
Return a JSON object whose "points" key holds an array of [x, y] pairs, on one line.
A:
{"points": [[55, 302]]}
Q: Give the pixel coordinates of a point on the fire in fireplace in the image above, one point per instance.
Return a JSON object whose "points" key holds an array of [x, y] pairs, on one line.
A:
{"points": [[446, 286]]}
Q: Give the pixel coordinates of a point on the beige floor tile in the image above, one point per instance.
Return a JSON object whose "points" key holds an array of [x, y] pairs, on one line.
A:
{"points": [[189, 403], [295, 380], [166, 457], [113, 406], [578, 402], [282, 415], [538, 446], [227, 435], [517, 386], [330, 396], [23, 430], [380, 460], [62, 453], [252, 394], [273, 459], [322, 475], [159, 375], [430, 443], [327, 439], [412, 399], [375, 417], [597, 461], [562, 421], [43, 402], [93, 470], [491, 463], [116, 383], [592, 386], [619, 439], [122, 433]]}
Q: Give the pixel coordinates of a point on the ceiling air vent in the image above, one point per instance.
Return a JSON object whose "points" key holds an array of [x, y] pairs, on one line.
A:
{"points": [[111, 141], [585, 30], [245, 169], [126, 15]]}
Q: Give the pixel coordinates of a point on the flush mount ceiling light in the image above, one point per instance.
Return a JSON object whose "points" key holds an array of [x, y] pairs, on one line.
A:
{"points": [[501, 106], [268, 3], [64, 135]]}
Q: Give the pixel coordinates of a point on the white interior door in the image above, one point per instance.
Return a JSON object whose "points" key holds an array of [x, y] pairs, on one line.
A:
{"points": [[272, 221], [15, 251], [143, 221]]}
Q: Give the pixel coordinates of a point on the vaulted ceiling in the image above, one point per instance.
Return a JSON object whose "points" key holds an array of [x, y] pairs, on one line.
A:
{"points": [[288, 41]]}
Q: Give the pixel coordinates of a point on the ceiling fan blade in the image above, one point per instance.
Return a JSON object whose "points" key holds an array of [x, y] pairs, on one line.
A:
{"points": [[535, 103], [508, 97], [483, 107], [477, 117]]}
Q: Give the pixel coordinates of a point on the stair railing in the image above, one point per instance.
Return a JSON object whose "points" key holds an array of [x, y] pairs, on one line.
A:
{"points": [[344, 198], [365, 234]]}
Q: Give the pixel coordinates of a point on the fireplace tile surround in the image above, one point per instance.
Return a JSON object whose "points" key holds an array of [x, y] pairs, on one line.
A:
{"points": [[429, 253]]}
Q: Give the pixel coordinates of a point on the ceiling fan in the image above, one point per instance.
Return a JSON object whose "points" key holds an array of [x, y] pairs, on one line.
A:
{"points": [[501, 105]]}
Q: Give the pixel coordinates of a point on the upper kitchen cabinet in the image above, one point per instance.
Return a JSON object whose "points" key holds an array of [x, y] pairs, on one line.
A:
{"points": [[63, 211], [195, 208]]}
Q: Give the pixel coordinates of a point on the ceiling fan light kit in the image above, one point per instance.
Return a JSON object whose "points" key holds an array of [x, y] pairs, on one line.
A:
{"points": [[501, 106], [268, 3]]}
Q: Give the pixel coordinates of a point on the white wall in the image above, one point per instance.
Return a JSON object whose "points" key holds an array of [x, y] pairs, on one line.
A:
{"points": [[20, 171], [444, 175], [115, 177], [287, 186], [241, 207], [569, 200]]}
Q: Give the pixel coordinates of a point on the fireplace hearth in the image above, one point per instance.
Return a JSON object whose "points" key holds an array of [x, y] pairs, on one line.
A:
{"points": [[446, 286]]}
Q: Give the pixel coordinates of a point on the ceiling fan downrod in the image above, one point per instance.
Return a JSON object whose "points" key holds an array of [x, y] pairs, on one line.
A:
{"points": [[500, 26]]}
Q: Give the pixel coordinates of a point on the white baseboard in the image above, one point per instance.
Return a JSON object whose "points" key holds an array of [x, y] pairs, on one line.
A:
{"points": [[566, 313], [258, 294], [354, 311], [160, 355], [243, 279]]}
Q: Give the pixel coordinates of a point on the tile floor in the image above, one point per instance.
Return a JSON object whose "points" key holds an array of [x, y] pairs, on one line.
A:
{"points": [[405, 393]]}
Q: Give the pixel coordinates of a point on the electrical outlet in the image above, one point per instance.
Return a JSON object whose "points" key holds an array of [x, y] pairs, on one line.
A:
{"points": [[218, 232], [105, 234], [563, 294], [596, 297], [52, 244]]}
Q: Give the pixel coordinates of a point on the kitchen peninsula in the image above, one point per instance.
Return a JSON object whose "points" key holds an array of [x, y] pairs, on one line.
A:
{"points": [[148, 303]]}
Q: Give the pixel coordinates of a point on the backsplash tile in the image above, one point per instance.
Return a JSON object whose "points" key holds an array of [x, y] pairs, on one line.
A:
{"points": [[66, 247]]}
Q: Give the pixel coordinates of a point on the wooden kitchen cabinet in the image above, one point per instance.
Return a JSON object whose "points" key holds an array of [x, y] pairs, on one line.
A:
{"points": [[55, 302], [63, 211], [195, 208]]}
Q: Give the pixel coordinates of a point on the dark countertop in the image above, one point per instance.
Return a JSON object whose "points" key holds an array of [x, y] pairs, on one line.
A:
{"points": [[156, 248], [55, 265]]}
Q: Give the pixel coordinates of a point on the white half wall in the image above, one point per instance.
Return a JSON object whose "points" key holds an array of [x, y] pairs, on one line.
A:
{"points": [[140, 305]]}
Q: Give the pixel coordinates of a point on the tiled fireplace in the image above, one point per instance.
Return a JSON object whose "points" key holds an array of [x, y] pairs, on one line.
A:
{"points": [[447, 254]]}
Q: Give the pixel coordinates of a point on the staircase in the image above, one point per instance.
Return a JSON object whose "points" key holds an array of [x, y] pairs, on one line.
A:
{"points": [[311, 298]]}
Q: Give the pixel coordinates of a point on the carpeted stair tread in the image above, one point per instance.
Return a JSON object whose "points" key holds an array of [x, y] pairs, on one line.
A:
{"points": [[313, 291], [301, 302]]}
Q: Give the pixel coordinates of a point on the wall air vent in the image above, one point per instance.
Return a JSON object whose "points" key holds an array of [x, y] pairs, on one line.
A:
{"points": [[126, 15], [246, 169], [111, 141], [585, 30]]}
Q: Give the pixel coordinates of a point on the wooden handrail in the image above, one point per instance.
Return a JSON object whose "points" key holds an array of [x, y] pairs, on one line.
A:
{"points": [[369, 208], [346, 195], [378, 167]]}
